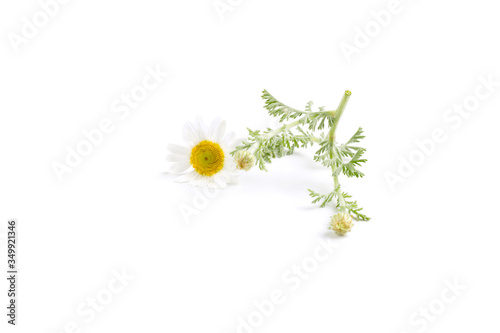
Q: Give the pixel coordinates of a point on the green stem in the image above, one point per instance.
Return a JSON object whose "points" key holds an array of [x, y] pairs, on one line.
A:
{"points": [[338, 114], [281, 129], [342, 203], [269, 135], [331, 141], [312, 138]]}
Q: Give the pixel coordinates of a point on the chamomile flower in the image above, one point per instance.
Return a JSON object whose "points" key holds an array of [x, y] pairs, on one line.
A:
{"points": [[204, 161]]}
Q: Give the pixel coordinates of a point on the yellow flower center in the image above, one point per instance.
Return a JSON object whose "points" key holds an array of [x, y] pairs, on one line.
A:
{"points": [[207, 158]]}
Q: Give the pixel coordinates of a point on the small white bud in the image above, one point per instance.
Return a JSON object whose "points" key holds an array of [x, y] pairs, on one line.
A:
{"points": [[244, 160], [341, 223]]}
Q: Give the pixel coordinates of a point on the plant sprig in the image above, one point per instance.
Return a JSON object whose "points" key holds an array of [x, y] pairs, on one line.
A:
{"points": [[308, 128]]}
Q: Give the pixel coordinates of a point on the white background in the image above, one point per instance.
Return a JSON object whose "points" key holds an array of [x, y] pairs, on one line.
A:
{"points": [[120, 209]]}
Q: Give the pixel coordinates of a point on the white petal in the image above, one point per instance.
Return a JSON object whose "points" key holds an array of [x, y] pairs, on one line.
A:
{"points": [[220, 132], [232, 172], [186, 177], [229, 140], [212, 132], [191, 133], [202, 129], [177, 149], [198, 181], [179, 167], [229, 165]]}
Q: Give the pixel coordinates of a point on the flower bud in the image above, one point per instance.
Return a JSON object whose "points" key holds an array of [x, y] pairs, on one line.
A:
{"points": [[341, 223], [244, 160]]}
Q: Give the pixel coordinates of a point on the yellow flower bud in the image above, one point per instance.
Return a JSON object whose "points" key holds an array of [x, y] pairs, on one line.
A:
{"points": [[341, 223]]}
